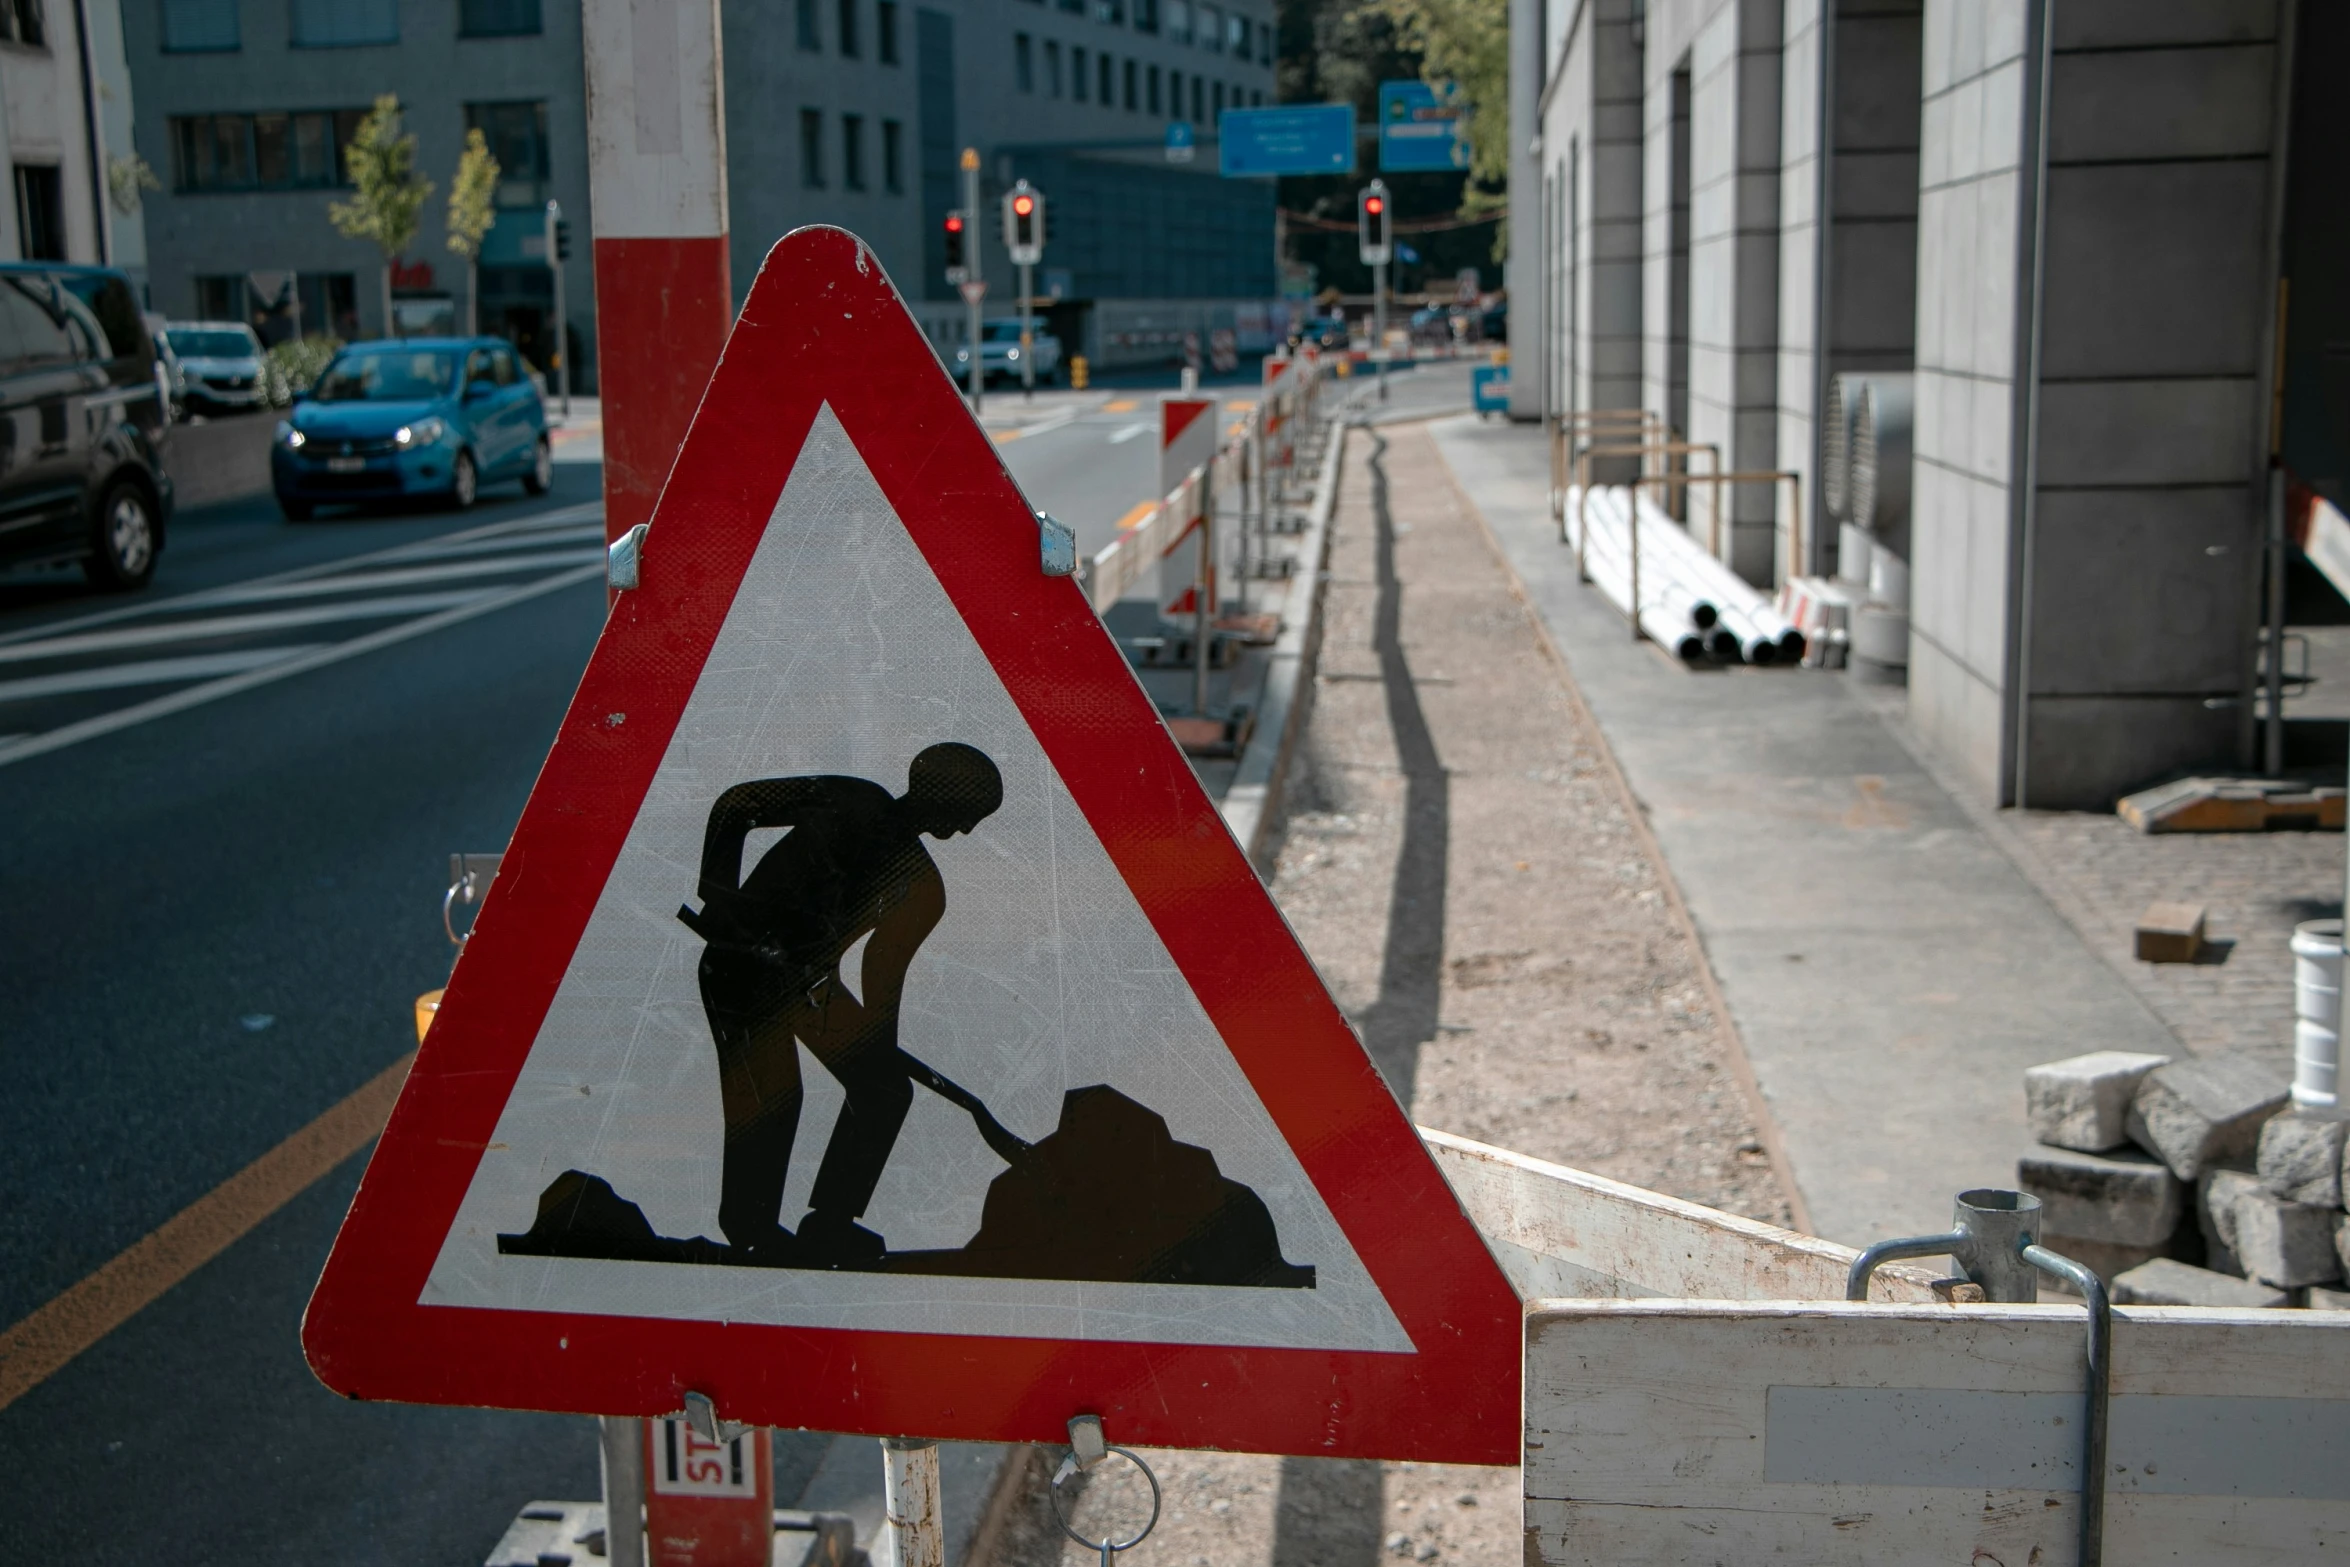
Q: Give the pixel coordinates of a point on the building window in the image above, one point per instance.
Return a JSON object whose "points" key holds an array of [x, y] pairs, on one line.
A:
{"points": [[1236, 30], [344, 24], [199, 26], [1052, 68], [1146, 16], [1073, 7], [1265, 42], [885, 31], [852, 151], [1179, 21], [1023, 63], [1109, 98], [848, 29], [1077, 70], [1154, 86], [498, 19], [517, 137], [1211, 28], [1133, 103], [1217, 104], [233, 152], [40, 211], [812, 148], [804, 12], [221, 297], [21, 23], [893, 157], [1199, 100], [1110, 11]]}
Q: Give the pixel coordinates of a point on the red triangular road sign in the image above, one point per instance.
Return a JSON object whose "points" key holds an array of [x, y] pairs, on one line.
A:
{"points": [[1145, 1169]]}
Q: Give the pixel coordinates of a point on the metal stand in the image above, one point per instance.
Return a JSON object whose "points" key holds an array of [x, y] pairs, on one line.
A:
{"points": [[1379, 324], [1996, 1244], [976, 288], [912, 1534], [1027, 333], [1088, 1450], [622, 1442], [1203, 619]]}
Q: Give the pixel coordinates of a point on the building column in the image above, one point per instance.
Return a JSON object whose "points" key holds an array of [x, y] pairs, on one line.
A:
{"points": [[1525, 271]]}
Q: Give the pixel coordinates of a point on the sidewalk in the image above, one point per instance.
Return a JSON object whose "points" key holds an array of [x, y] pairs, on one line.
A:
{"points": [[1890, 968]]}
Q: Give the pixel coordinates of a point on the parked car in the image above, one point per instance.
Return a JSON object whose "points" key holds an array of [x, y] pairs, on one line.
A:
{"points": [[83, 424], [221, 365], [999, 350], [412, 418]]}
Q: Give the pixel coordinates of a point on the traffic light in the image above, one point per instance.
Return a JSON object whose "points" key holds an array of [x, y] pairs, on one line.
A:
{"points": [[1374, 224], [562, 239], [1024, 224], [954, 235]]}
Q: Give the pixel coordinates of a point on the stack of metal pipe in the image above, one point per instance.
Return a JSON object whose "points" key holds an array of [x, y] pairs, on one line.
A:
{"points": [[1690, 602]]}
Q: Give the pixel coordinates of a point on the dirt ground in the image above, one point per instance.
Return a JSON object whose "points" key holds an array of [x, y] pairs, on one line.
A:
{"points": [[1465, 867]]}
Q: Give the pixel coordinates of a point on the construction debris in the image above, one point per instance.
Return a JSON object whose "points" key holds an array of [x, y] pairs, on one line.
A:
{"points": [[2170, 933], [2234, 805]]}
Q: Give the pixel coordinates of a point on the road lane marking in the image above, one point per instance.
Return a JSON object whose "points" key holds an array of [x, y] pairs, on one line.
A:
{"points": [[36, 1348], [1124, 405], [1134, 517], [1044, 426], [236, 625], [196, 696], [559, 516], [1130, 432], [149, 672], [409, 576]]}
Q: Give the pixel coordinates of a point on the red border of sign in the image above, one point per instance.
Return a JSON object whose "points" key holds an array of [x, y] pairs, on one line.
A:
{"points": [[824, 325]]}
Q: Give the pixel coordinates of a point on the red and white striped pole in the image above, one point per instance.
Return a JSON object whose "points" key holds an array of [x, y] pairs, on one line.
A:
{"points": [[656, 120]]}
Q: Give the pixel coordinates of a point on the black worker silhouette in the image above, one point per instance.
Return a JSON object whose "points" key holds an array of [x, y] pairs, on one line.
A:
{"points": [[1108, 1196]]}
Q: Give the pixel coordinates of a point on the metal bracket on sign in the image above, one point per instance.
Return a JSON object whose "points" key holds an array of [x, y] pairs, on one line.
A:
{"points": [[624, 561], [1059, 542], [702, 1415], [1089, 1449], [469, 882]]}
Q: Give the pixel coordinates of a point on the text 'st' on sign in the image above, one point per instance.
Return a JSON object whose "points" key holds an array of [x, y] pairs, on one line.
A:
{"points": [[873, 1026]]}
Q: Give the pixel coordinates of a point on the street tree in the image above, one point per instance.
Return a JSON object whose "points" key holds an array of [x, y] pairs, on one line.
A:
{"points": [[1464, 46], [387, 194], [472, 214]]}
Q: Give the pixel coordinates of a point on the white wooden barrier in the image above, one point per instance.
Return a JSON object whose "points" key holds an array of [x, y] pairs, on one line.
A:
{"points": [[1719, 1432]]}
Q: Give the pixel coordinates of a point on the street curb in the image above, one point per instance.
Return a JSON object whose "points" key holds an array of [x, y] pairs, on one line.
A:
{"points": [[1253, 804]]}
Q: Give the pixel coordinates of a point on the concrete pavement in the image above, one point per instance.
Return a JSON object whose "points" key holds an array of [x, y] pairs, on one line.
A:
{"points": [[1890, 970]]}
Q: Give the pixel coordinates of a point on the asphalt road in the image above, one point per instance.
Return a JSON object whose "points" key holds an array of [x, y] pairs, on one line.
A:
{"points": [[218, 919]]}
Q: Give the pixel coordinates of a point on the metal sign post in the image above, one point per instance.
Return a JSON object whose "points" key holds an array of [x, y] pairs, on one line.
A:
{"points": [[975, 286], [1375, 240], [558, 246], [1024, 238]]}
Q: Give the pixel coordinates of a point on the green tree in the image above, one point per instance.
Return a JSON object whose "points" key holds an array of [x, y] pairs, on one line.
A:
{"points": [[387, 194], [1465, 45], [472, 214]]}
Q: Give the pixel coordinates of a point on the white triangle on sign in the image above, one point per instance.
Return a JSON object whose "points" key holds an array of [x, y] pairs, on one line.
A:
{"points": [[842, 654]]}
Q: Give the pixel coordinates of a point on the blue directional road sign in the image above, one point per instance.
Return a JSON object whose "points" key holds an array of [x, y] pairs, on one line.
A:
{"points": [[1420, 131], [1303, 138], [1180, 147]]}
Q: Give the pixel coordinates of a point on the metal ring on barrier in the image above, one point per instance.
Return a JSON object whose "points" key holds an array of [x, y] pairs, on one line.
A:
{"points": [[1107, 1546]]}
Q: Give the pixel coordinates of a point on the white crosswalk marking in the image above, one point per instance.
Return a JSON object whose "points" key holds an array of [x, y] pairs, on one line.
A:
{"points": [[1129, 432], [96, 674]]}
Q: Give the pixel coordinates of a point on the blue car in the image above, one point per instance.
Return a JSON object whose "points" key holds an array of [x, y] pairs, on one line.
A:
{"points": [[431, 418]]}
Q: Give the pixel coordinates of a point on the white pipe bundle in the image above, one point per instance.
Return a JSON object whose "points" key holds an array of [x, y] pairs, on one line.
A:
{"points": [[1684, 590]]}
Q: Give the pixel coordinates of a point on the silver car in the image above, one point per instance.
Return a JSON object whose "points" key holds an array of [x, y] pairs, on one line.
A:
{"points": [[221, 363]]}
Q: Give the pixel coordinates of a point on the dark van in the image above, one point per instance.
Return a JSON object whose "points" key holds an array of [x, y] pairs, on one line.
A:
{"points": [[83, 418]]}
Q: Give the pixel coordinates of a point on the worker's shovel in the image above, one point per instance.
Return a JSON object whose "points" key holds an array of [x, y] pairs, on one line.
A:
{"points": [[1008, 1148]]}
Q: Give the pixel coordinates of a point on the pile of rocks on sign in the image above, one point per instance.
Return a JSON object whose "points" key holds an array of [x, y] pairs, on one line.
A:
{"points": [[2188, 1182]]}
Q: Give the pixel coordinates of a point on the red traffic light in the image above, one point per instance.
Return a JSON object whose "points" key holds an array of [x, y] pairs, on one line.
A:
{"points": [[954, 223], [1373, 205], [1023, 205]]}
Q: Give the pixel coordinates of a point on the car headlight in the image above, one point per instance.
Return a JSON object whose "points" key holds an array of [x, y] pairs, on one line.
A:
{"points": [[291, 436], [963, 353], [422, 433], [1012, 354]]}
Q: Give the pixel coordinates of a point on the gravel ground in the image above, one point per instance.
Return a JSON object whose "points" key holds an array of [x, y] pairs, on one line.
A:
{"points": [[1464, 864]]}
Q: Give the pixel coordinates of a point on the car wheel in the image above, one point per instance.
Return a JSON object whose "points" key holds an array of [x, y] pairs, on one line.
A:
{"points": [[122, 554], [541, 477], [296, 511], [464, 482]]}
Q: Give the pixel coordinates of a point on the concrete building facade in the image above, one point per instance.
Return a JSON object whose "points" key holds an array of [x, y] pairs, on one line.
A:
{"points": [[2069, 220], [852, 112], [65, 96]]}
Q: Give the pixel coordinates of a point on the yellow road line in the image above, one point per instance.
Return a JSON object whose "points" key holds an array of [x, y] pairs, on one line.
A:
{"points": [[1001, 436], [1124, 405], [36, 1348], [1134, 518]]}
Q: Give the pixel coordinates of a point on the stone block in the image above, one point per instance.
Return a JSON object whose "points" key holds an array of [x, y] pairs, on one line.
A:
{"points": [[2083, 1102], [2204, 1110], [2301, 1158], [2216, 1191], [2130, 1200], [2163, 1282], [2170, 933], [2342, 1241], [2287, 1244], [2103, 1258], [2324, 1299]]}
